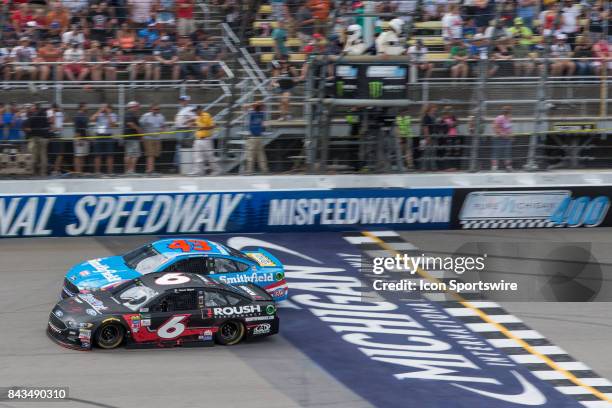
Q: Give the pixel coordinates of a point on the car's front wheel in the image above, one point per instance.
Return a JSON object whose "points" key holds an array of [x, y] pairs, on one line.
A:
{"points": [[230, 333], [110, 335]]}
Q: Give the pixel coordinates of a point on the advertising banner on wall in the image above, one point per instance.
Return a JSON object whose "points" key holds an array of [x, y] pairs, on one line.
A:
{"points": [[193, 213], [583, 206], [371, 80]]}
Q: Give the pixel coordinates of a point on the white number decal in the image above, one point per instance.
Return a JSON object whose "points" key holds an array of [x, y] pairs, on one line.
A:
{"points": [[172, 328], [172, 279]]}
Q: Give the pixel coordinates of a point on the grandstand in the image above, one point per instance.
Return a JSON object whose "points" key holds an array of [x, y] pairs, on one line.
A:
{"points": [[550, 62]]}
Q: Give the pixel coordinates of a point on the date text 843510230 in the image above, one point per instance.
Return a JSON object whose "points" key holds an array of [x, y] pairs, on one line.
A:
{"points": [[19, 393]]}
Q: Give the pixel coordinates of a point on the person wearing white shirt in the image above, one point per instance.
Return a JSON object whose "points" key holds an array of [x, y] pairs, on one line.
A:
{"points": [[184, 120], [57, 147], [561, 49], [74, 35], [152, 122], [75, 69], [418, 56], [23, 55], [452, 25], [569, 25]]}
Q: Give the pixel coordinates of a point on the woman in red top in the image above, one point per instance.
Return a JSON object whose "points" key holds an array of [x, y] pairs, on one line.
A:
{"points": [[184, 15], [50, 53], [21, 16]]}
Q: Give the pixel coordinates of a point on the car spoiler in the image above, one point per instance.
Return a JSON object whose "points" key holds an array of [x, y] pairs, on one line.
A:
{"points": [[264, 258]]}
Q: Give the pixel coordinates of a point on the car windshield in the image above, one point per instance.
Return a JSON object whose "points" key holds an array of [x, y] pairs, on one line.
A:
{"points": [[238, 254], [144, 259], [136, 295]]}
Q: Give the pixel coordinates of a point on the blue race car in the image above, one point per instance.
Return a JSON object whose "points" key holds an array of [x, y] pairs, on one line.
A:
{"points": [[202, 256]]}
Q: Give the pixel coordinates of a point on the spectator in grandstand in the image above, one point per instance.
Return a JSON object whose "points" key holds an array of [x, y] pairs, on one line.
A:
{"points": [[57, 146], [24, 55], [255, 150], [166, 56], [74, 35], [152, 122], [204, 155], [75, 68], [459, 60], [320, 11], [131, 130], [602, 51], [550, 20], [279, 35], [582, 51], [522, 33], [58, 18], [37, 131], [569, 20], [418, 56], [484, 12], [279, 9], [448, 129], [304, 21], [388, 42], [428, 141], [186, 53], [94, 56], [526, 11], [140, 11], [184, 121], [524, 64], [15, 120], [596, 17], [80, 145], [76, 7], [354, 44], [405, 138], [405, 9], [561, 51], [104, 146], [139, 59], [184, 16], [100, 23], [125, 38], [497, 32], [502, 141], [149, 34], [479, 52], [164, 14], [452, 26], [20, 17], [5, 59], [502, 56], [50, 52], [283, 82], [119, 10], [210, 55]]}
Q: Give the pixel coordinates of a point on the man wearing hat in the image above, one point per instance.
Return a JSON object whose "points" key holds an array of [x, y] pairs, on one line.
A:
{"points": [[132, 143], [521, 33], [184, 121], [561, 52], [204, 153]]}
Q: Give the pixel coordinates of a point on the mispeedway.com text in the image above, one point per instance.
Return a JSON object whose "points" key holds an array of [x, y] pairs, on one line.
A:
{"points": [[452, 286]]}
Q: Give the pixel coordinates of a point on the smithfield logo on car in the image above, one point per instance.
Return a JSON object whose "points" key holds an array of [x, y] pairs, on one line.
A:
{"points": [[251, 278], [228, 311], [105, 271], [263, 328]]}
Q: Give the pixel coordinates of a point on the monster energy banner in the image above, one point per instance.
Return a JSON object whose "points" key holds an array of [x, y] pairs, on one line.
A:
{"points": [[370, 81]]}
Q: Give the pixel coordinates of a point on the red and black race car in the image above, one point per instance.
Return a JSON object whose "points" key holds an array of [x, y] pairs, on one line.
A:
{"points": [[164, 309]]}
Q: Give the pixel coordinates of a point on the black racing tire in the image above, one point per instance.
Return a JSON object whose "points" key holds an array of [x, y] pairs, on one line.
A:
{"points": [[230, 332], [110, 335]]}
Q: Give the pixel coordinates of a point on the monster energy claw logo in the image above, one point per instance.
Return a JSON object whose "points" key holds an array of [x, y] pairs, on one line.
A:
{"points": [[339, 88], [376, 89]]}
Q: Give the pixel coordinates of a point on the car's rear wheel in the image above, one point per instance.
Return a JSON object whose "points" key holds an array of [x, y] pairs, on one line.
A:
{"points": [[110, 335], [230, 333]]}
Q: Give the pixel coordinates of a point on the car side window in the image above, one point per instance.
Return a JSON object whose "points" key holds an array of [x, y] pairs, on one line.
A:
{"points": [[224, 265], [242, 266], [176, 302], [233, 300], [215, 299], [192, 265]]}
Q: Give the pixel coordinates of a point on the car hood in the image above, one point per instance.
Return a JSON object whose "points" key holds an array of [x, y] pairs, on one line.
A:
{"points": [[85, 306], [101, 273]]}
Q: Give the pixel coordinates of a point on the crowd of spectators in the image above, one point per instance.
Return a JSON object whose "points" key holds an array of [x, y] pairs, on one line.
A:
{"points": [[78, 40], [513, 35], [99, 137]]}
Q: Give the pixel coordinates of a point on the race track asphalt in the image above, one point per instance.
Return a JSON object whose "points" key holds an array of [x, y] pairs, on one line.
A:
{"points": [[271, 372]]}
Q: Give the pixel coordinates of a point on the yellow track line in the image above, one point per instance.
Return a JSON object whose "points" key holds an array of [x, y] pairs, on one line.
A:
{"points": [[549, 362]]}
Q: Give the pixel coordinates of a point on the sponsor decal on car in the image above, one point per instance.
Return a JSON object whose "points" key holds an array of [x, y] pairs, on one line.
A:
{"points": [[260, 258], [248, 290], [258, 318], [96, 304], [105, 271], [91, 312], [270, 309], [236, 310], [263, 328], [206, 335], [247, 278]]}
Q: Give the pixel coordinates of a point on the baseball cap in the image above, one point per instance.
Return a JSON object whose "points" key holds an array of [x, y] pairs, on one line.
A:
{"points": [[165, 38], [132, 104], [478, 36], [185, 98], [518, 21], [561, 36]]}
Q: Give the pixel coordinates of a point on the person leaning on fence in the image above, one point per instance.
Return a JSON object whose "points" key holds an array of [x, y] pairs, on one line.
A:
{"points": [[428, 141], [203, 147], [502, 141], [57, 147], [80, 145], [405, 138], [104, 146], [184, 121], [254, 143], [38, 133], [132, 143], [152, 122]]}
